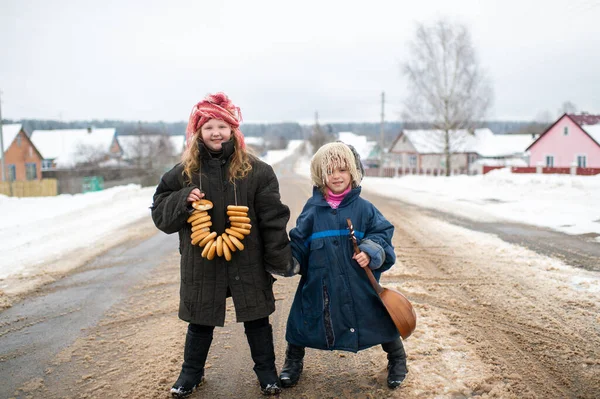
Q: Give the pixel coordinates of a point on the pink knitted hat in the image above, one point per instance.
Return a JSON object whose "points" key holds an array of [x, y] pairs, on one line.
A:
{"points": [[215, 106]]}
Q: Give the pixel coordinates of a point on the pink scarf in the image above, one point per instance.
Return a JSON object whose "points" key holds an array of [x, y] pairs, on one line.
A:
{"points": [[334, 200]]}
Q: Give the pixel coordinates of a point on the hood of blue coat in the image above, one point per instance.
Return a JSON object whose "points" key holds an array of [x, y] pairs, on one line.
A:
{"points": [[318, 199]]}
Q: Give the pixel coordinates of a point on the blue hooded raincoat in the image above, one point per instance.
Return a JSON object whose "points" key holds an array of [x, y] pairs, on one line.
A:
{"points": [[335, 306]]}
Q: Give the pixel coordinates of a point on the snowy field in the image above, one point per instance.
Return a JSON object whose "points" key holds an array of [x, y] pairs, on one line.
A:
{"points": [[565, 203], [36, 232]]}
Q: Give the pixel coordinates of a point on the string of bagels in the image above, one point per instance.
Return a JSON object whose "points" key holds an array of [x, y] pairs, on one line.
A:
{"points": [[228, 242]]}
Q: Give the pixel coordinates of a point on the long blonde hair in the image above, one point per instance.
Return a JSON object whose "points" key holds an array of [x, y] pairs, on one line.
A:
{"points": [[239, 166], [331, 156]]}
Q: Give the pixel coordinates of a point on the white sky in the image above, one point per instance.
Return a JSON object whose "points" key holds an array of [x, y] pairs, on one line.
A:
{"points": [[280, 61]]}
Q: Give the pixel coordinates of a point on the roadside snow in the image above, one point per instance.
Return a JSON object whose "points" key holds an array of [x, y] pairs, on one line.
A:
{"points": [[36, 232], [561, 202]]}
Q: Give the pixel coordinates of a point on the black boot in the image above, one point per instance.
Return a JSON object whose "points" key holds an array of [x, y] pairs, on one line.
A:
{"points": [[263, 353], [396, 363], [192, 370], [292, 368]]}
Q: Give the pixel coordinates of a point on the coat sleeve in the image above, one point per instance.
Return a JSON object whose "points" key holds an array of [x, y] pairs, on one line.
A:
{"points": [[272, 218], [299, 237], [170, 209], [377, 242]]}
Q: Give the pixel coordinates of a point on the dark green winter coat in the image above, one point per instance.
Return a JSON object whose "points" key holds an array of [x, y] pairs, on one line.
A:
{"points": [[205, 284]]}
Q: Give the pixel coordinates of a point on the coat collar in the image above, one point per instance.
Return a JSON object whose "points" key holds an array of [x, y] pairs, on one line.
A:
{"points": [[318, 199], [228, 149]]}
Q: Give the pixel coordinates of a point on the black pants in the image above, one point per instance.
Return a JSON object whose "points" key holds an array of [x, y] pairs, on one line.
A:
{"points": [[248, 325]]}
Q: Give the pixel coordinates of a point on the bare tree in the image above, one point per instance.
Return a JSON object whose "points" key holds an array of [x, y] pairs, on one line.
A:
{"points": [[150, 151], [544, 117], [447, 88], [318, 136], [567, 108], [89, 155]]}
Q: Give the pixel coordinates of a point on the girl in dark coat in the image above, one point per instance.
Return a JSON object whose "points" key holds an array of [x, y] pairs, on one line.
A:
{"points": [[223, 256], [335, 306]]}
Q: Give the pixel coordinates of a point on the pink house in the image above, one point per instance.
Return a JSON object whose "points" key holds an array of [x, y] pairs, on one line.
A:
{"points": [[571, 140]]}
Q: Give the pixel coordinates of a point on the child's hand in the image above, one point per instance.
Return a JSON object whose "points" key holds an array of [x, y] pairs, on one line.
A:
{"points": [[195, 195], [362, 258]]}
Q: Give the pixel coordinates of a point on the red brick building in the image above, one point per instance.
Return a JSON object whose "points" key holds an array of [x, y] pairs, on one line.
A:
{"points": [[22, 159]]}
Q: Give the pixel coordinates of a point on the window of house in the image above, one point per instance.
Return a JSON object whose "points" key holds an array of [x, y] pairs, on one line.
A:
{"points": [[566, 131], [549, 161], [412, 161], [12, 172], [46, 164], [19, 140], [31, 171], [581, 161]]}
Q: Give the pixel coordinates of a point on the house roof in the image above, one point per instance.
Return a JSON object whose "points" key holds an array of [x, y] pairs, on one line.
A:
{"points": [[574, 121], [593, 131], [432, 141], [9, 132], [254, 140], [488, 144], [64, 145], [133, 144], [360, 143], [483, 142], [585, 119]]}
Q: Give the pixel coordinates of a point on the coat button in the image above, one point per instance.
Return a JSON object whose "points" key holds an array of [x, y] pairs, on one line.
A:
{"points": [[334, 212], [352, 330], [237, 277]]}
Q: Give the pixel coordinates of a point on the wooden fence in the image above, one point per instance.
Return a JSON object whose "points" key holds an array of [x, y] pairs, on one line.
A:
{"points": [[30, 188]]}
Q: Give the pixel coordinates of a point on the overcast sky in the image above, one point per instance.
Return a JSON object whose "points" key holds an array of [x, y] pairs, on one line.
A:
{"points": [[281, 60]]}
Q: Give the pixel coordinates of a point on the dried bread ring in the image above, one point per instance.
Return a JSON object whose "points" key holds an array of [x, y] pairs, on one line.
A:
{"points": [[199, 233], [202, 205], [240, 230], [211, 252], [200, 227], [233, 233], [207, 248], [246, 226], [203, 224], [236, 213], [226, 252], [240, 219], [237, 243], [220, 246], [200, 237], [238, 208], [200, 220], [206, 239], [228, 242], [196, 215]]}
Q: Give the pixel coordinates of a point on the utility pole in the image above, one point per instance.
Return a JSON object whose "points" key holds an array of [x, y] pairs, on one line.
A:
{"points": [[381, 139], [1, 139]]}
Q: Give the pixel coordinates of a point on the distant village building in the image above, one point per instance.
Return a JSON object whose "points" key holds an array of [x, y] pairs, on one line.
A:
{"points": [[145, 148], [256, 145], [22, 160], [68, 148], [422, 151], [573, 140], [369, 151]]}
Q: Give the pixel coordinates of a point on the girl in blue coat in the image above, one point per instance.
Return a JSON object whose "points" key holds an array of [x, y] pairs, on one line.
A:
{"points": [[335, 306]]}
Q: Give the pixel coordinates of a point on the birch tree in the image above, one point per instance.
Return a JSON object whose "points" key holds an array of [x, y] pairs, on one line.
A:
{"points": [[447, 88]]}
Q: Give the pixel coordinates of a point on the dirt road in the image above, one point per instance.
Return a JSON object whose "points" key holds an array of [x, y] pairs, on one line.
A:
{"points": [[494, 321]]}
